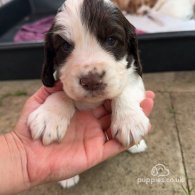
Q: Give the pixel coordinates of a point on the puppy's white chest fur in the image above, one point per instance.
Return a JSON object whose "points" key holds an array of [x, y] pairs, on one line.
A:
{"points": [[87, 106]]}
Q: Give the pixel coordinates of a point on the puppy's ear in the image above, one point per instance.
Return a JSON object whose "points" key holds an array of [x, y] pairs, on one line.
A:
{"points": [[49, 61], [133, 47]]}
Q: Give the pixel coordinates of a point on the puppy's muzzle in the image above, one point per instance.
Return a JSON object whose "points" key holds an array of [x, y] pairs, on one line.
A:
{"points": [[93, 82]]}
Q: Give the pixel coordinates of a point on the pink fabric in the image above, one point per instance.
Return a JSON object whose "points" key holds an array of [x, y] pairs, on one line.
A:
{"points": [[34, 31], [139, 32]]}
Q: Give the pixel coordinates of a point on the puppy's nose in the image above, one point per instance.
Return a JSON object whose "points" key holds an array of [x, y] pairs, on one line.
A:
{"points": [[92, 82]]}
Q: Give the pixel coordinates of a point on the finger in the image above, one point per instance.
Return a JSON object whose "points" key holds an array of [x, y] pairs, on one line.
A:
{"points": [[41, 95], [105, 122], [103, 110], [112, 148], [99, 112], [107, 105], [147, 105], [109, 134], [57, 87], [150, 94]]}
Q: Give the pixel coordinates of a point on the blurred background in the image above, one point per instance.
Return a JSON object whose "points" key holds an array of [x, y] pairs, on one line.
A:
{"points": [[164, 32]]}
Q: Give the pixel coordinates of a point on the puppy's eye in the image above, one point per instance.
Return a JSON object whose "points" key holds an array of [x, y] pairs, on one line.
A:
{"points": [[66, 46], [111, 41]]}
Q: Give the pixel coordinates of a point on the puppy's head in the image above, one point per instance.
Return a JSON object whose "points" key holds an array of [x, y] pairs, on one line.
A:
{"points": [[93, 48]]}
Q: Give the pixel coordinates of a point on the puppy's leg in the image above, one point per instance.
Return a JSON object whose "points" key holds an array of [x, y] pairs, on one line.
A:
{"points": [[129, 123], [52, 118], [68, 183]]}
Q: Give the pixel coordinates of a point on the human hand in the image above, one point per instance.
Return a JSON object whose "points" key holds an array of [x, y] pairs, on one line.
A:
{"points": [[83, 146]]}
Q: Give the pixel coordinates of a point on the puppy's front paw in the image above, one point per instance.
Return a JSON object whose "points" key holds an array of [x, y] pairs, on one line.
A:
{"points": [[128, 127], [48, 124], [68, 183]]}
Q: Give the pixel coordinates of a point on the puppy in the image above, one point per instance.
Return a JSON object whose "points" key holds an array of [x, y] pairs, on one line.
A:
{"points": [[134, 6], [93, 50], [181, 9]]}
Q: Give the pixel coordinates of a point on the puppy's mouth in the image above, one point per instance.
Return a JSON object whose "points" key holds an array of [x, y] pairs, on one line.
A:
{"points": [[95, 94]]}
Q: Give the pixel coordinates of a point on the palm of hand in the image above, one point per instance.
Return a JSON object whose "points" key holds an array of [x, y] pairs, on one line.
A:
{"points": [[83, 146]]}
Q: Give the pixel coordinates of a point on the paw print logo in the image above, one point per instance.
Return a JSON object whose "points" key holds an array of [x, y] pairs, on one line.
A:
{"points": [[160, 170]]}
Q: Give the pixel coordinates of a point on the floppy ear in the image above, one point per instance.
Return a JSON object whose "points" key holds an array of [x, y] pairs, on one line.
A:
{"points": [[133, 46], [49, 62]]}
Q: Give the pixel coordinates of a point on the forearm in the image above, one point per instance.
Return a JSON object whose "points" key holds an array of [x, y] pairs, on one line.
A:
{"points": [[13, 169]]}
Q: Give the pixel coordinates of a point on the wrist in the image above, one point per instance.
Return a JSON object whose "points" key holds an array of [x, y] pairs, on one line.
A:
{"points": [[13, 165]]}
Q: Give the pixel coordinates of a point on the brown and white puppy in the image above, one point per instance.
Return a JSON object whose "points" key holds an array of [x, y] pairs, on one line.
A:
{"points": [[134, 6], [93, 49], [181, 9]]}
